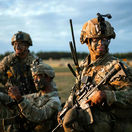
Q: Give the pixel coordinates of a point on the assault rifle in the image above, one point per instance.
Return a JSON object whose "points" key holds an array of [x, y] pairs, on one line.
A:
{"points": [[87, 90]]}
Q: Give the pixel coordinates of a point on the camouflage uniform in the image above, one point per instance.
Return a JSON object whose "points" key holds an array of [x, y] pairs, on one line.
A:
{"points": [[44, 106], [38, 110], [115, 114], [12, 64], [119, 96], [41, 109], [16, 71]]}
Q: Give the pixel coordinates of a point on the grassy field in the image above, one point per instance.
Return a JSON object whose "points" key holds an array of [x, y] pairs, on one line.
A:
{"points": [[64, 82]]}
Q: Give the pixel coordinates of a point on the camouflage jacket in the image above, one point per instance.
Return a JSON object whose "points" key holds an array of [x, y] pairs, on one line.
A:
{"points": [[37, 107], [37, 110], [15, 71], [118, 90], [41, 110]]}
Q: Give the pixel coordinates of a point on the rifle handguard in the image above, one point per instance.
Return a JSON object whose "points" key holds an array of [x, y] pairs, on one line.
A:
{"points": [[117, 67]]}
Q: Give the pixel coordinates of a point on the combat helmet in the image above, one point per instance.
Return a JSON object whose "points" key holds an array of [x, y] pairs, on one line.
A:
{"points": [[21, 36], [42, 68], [97, 28]]}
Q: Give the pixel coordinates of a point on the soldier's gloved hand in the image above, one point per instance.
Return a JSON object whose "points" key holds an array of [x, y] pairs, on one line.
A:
{"points": [[14, 93], [97, 98]]}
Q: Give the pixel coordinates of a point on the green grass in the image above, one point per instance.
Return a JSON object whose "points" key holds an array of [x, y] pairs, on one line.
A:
{"points": [[61, 69], [64, 81]]}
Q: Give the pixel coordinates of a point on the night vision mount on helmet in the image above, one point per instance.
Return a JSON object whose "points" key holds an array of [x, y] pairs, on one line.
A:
{"points": [[97, 28], [21, 36]]}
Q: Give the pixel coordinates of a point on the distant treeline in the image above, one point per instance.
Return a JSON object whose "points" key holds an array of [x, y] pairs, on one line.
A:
{"points": [[82, 55], [66, 55], [59, 55]]}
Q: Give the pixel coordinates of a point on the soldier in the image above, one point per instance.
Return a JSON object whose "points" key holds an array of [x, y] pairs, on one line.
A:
{"points": [[111, 105], [39, 109], [15, 70], [43, 106]]}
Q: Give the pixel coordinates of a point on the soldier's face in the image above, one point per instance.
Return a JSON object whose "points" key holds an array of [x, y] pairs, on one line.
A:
{"points": [[40, 82], [20, 47], [99, 46]]}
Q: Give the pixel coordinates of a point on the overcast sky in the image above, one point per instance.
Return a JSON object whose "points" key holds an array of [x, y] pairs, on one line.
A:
{"points": [[47, 21]]}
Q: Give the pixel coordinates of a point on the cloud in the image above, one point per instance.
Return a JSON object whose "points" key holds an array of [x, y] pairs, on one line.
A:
{"points": [[48, 21]]}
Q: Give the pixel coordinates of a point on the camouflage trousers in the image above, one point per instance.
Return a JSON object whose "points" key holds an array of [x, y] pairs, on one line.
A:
{"points": [[75, 121]]}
